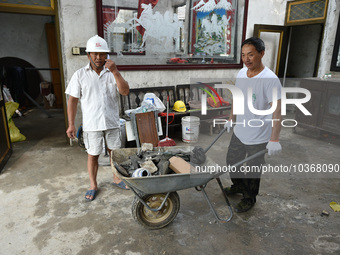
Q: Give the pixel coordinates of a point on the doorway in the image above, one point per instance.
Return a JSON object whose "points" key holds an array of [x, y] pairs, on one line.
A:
{"points": [[30, 42], [302, 44], [304, 51], [292, 52]]}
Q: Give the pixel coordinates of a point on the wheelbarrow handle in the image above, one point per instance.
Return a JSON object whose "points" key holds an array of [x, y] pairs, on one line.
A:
{"points": [[217, 137], [257, 154]]}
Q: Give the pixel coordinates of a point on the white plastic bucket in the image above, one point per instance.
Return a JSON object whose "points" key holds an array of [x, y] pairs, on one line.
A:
{"points": [[190, 129]]}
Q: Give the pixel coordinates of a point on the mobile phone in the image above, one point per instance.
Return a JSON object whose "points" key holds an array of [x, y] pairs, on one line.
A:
{"points": [[107, 57]]}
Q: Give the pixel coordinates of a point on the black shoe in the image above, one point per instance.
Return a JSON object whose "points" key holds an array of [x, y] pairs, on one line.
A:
{"points": [[245, 205], [233, 190]]}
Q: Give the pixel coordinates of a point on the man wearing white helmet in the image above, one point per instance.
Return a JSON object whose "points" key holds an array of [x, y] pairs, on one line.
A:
{"points": [[97, 86]]}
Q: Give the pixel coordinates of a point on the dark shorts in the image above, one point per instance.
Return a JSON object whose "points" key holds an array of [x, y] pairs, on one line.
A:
{"points": [[246, 177]]}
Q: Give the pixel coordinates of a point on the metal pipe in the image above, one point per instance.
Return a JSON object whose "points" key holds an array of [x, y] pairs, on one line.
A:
{"points": [[287, 57]]}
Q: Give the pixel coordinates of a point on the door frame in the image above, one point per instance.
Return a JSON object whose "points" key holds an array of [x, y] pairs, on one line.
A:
{"points": [[283, 44], [9, 150], [49, 11]]}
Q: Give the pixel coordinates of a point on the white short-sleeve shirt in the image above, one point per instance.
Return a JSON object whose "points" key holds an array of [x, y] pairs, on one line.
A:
{"points": [[251, 128], [98, 95]]}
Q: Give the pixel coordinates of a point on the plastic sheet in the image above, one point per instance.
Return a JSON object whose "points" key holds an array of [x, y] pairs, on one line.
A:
{"points": [[14, 132], [150, 103], [335, 206]]}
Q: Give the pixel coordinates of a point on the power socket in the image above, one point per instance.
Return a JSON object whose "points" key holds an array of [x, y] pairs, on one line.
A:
{"points": [[76, 51]]}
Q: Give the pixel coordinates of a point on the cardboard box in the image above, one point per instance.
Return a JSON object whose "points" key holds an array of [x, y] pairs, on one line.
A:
{"points": [[179, 165]]}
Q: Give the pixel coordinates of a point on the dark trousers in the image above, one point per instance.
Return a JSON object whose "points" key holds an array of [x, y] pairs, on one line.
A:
{"points": [[249, 181]]}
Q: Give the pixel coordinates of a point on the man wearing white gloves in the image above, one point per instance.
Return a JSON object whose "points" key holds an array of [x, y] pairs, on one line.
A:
{"points": [[253, 132]]}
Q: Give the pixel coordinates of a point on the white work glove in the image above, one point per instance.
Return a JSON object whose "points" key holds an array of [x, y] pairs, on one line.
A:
{"points": [[228, 125], [274, 148]]}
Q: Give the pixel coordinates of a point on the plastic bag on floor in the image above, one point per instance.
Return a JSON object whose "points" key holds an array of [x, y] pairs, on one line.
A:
{"points": [[335, 206], [14, 132], [9, 98]]}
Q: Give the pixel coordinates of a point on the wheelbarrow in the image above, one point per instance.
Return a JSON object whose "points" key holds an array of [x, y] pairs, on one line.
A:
{"points": [[156, 203]]}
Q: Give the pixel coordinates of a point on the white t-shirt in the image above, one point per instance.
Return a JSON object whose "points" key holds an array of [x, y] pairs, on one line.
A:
{"points": [[255, 128], [98, 96]]}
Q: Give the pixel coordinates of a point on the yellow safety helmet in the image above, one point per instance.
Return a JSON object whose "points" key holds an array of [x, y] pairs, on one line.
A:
{"points": [[179, 106]]}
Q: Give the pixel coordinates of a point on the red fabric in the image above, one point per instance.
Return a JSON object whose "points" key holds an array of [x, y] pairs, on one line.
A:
{"points": [[170, 114], [218, 104], [178, 60], [140, 10]]}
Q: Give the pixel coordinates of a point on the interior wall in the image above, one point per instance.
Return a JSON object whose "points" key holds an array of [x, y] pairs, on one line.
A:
{"points": [[78, 23], [304, 49], [23, 36], [273, 13], [265, 12], [328, 40]]}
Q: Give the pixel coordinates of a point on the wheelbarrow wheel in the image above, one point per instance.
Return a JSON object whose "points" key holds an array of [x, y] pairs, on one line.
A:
{"points": [[158, 219]]}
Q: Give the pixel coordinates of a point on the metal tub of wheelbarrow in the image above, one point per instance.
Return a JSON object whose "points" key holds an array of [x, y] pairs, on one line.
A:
{"points": [[156, 201]]}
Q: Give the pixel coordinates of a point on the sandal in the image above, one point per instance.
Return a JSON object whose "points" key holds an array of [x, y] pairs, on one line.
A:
{"points": [[120, 185], [92, 193]]}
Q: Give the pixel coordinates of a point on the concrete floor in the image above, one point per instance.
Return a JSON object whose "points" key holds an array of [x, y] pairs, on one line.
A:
{"points": [[43, 209]]}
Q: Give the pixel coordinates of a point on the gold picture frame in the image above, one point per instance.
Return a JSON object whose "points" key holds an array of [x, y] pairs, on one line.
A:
{"points": [[28, 9], [306, 12]]}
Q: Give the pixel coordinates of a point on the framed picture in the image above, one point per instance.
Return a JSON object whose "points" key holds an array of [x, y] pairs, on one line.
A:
{"points": [[121, 38], [45, 7], [335, 64], [304, 12], [173, 34], [213, 30]]}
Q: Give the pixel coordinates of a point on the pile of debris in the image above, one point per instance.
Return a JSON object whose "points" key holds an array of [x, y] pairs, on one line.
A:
{"points": [[148, 161]]}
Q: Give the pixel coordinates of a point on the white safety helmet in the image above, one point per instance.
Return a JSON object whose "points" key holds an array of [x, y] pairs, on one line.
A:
{"points": [[97, 44]]}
